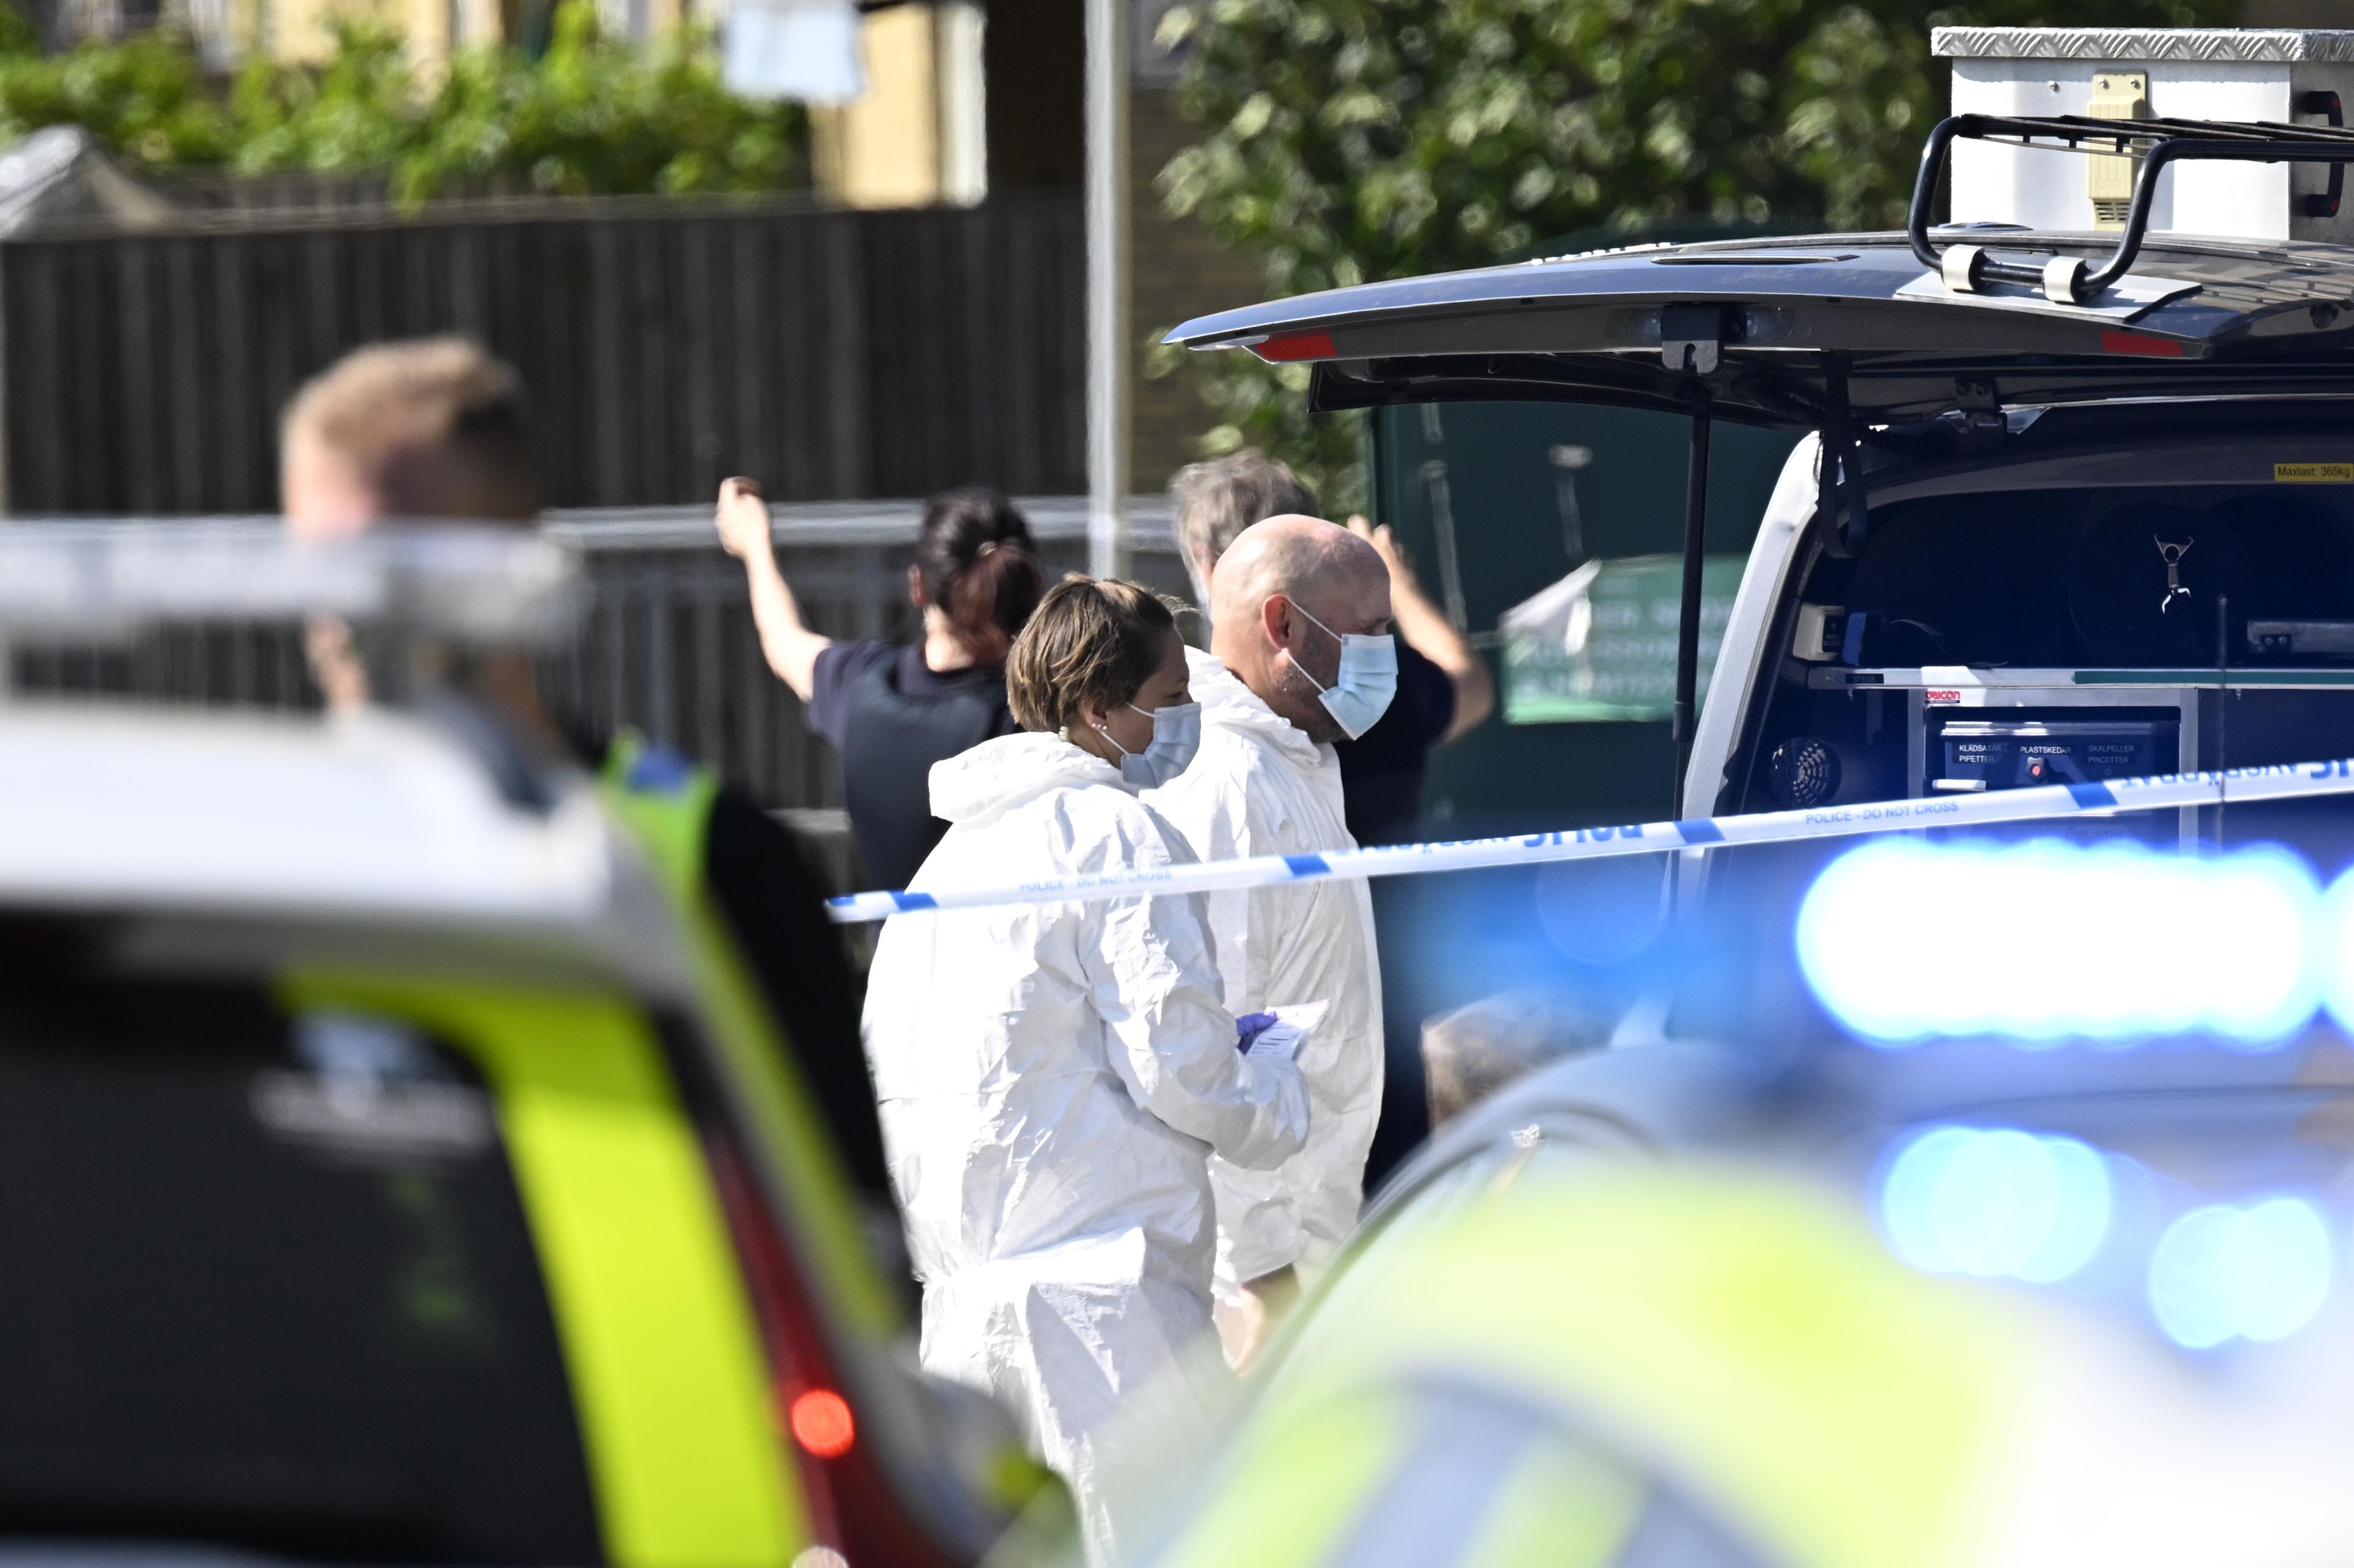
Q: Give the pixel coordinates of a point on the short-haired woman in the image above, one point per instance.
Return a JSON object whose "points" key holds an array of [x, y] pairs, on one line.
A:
{"points": [[1054, 1076], [890, 710]]}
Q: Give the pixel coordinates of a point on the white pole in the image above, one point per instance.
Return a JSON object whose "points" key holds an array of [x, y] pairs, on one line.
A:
{"points": [[1107, 348]]}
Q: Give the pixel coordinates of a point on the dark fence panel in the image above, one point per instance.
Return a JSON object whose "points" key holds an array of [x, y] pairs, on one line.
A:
{"points": [[834, 355]]}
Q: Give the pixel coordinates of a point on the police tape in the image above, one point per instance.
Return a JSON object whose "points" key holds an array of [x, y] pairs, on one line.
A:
{"points": [[2235, 786]]}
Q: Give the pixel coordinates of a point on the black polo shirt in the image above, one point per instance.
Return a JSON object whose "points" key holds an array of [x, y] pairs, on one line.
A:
{"points": [[891, 717]]}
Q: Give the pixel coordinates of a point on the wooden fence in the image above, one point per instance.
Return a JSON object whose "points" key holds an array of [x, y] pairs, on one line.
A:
{"points": [[666, 346]]}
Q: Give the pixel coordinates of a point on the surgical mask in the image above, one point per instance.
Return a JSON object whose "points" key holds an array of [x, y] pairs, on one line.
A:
{"points": [[1360, 692], [1176, 737]]}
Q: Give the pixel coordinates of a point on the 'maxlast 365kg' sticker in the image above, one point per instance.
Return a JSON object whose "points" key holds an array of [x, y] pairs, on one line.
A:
{"points": [[2312, 473]]}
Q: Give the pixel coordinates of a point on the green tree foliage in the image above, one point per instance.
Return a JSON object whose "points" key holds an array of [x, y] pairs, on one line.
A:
{"points": [[146, 97], [587, 117], [1345, 141]]}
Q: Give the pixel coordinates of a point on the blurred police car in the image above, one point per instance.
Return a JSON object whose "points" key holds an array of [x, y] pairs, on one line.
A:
{"points": [[1995, 1272], [378, 1180], [1947, 1200]]}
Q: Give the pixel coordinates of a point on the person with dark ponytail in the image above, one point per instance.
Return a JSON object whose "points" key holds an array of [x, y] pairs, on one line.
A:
{"points": [[890, 710]]}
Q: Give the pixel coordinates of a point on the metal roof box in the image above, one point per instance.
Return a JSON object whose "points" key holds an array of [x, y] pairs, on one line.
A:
{"points": [[2274, 76]]}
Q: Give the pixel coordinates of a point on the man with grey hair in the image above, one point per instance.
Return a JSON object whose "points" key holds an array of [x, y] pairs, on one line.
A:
{"points": [[1443, 688], [1212, 503], [1300, 657]]}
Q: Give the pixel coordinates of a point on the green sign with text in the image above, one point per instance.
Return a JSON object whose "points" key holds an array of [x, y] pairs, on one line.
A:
{"points": [[1600, 644]]}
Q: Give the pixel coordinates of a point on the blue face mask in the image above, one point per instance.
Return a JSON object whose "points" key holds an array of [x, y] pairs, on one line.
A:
{"points": [[1360, 692], [1176, 737]]}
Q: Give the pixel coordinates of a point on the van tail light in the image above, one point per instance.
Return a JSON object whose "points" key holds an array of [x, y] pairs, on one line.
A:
{"points": [[1296, 346], [2141, 342]]}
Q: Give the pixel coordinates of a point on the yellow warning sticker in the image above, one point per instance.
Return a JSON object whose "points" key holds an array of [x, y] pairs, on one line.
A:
{"points": [[2312, 473]]}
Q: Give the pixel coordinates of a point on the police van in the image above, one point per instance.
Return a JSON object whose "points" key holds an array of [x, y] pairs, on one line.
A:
{"points": [[2073, 500], [2074, 467]]}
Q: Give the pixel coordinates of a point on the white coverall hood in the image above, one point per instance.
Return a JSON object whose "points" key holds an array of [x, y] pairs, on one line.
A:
{"points": [[983, 784], [1260, 785], [1053, 1079]]}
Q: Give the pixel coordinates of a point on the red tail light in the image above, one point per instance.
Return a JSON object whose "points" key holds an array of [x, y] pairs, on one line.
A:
{"points": [[822, 1423], [857, 1513], [1298, 345], [853, 1508], [2141, 342]]}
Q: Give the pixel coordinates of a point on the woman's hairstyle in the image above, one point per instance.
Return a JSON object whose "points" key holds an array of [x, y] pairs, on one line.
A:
{"points": [[979, 566], [1092, 643]]}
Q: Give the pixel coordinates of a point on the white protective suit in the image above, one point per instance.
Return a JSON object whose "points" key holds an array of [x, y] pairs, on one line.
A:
{"points": [[1053, 1079], [1260, 786]]}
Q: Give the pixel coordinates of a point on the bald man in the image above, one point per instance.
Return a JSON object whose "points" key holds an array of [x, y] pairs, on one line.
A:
{"points": [[1300, 656]]}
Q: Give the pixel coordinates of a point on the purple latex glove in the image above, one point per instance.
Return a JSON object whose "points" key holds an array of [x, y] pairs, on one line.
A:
{"points": [[1249, 1027]]}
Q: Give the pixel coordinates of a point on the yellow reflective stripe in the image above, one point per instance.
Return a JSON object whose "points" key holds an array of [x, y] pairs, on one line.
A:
{"points": [[668, 1375], [1288, 1493], [823, 1217], [1745, 1334]]}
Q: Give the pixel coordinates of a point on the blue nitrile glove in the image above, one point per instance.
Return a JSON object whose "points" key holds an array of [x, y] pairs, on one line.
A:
{"points": [[1249, 1027]]}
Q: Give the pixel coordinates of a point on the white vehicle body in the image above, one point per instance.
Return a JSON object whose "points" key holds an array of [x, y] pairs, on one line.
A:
{"points": [[332, 837], [1741, 657]]}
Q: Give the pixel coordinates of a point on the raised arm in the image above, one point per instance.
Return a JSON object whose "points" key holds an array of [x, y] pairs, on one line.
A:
{"points": [[1429, 633], [785, 638]]}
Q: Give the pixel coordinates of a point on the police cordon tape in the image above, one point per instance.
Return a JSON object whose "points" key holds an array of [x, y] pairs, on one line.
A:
{"points": [[2235, 786]]}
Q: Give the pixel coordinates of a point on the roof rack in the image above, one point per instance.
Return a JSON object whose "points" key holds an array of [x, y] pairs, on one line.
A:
{"points": [[90, 579], [2073, 280]]}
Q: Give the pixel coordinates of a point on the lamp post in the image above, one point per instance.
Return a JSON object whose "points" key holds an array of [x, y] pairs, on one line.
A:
{"points": [[1108, 345]]}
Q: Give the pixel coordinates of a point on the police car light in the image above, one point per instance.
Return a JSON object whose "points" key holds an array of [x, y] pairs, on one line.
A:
{"points": [[2222, 1272], [2334, 950], [1995, 1202], [2111, 942]]}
